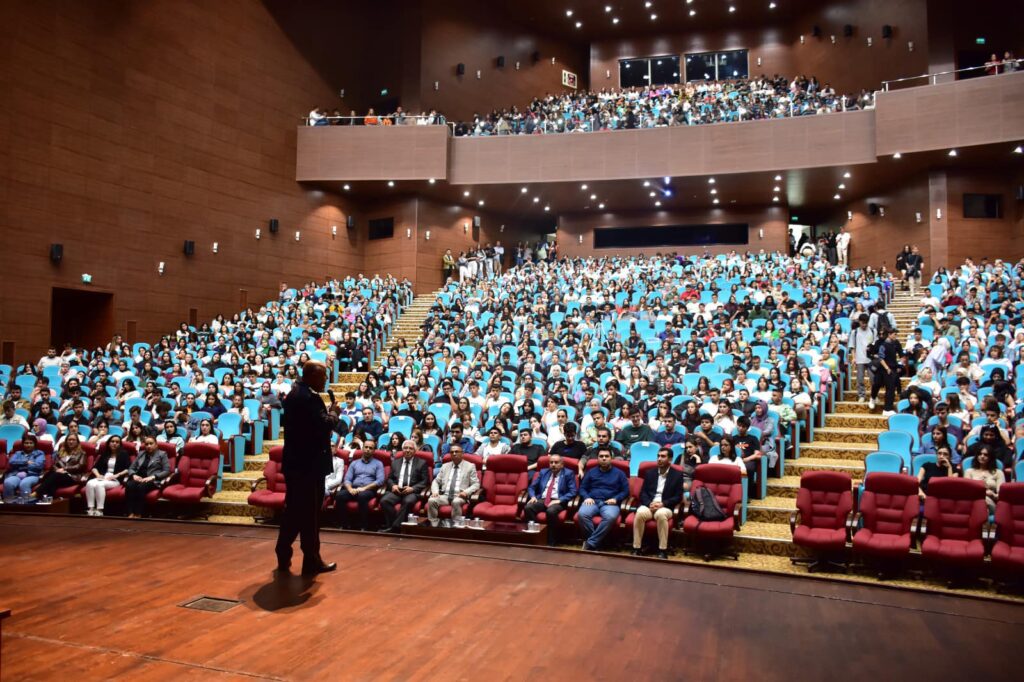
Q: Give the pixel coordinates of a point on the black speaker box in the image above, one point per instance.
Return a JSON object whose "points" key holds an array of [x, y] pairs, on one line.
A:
{"points": [[460, 69], [273, 225], [816, 31], [535, 56], [501, 62], [848, 30], [873, 209], [887, 31], [476, 221], [350, 222], [190, 247], [56, 253]]}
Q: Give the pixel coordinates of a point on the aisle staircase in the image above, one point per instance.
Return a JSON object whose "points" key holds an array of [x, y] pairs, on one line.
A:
{"points": [[229, 505], [850, 433]]}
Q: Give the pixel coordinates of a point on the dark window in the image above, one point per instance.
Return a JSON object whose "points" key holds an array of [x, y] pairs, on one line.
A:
{"points": [[382, 228], [721, 66], [671, 235], [983, 206], [664, 70], [635, 73]]}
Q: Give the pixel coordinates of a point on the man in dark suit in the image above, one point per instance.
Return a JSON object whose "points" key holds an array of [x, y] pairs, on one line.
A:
{"points": [[407, 480], [661, 492], [551, 492], [305, 463]]}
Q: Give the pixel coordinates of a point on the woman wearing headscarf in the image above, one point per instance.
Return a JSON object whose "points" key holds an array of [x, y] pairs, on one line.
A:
{"points": [[939, 357], [763, 420], [40, 432]]}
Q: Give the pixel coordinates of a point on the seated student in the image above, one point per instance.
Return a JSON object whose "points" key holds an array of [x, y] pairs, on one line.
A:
{"points": [[689, 460], [526, 447], [706, 435], [455, 437], [10, 416], [728, 454], [68, 467], [670, 435], [991, 437], [493, 445], [568, 446], [987, 470], [662, 491], [367, 428], [24, 467], [170, 435], [941, 468], [213, 406], [206, 434], [238, 407]]}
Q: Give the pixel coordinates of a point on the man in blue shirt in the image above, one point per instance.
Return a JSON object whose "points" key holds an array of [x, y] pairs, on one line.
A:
{"points": [[367, 428], [364, 476], [603, 490], [456, 438], [670, 436]]}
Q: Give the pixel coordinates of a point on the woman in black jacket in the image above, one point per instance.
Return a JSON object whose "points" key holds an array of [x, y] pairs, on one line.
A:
{"points": [[110, 466]]}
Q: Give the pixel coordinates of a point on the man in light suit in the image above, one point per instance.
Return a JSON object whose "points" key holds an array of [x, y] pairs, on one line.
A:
{"points": [[453, 485], [407, 480], [661, 492], [551, 492]]}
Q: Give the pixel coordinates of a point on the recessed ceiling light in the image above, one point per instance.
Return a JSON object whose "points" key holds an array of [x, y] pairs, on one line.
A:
{"points": [[778, 178], [647, 183], [653, 194], [593, 196], [952, 152], [647, 5], [776, 189], [523, 190], [842, 185], [731, 9], [583, 186], [1018, 150], [711, 181], [654, 17], [480, 203], [579, 24], [607, 8], [836, 196], [600, 205], [466, 193], [391, 183], [547, 208], [775, 199], [657, 203], [667, 179], [846, 174], [715, 201], [771, 5], [615, 20], [693, 12], [897, 155], [714, 191], [346, 187], [431, 181], [536, 200], [568, 12]]}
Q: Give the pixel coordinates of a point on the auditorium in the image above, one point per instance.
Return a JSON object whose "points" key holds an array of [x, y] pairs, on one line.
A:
{"points": [[453, 340]]}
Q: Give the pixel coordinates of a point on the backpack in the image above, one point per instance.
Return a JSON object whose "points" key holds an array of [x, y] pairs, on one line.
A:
{"points": [[705, 507], [883, 324]]}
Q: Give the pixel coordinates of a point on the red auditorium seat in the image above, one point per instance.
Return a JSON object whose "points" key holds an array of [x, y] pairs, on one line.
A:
{"points": [[1008, 552], [823, 506], [504, 485], [76, 488], [623, 466], [954, 515], [445, 512], [198, 468], [636, 483], [888, 507], [272, 496], [725, 481]]}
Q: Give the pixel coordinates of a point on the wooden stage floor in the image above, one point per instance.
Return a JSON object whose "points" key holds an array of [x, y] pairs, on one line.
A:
{"points": [[97, 599]]}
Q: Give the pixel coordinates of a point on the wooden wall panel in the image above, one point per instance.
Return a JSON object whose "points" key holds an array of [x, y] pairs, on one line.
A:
{"points": [[967, 112], [772, 220], [805, 142], [372, 152], [982, 238], [130, 127]]}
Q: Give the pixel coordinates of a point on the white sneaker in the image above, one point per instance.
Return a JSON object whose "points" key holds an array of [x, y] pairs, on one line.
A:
{"points": [[888, 413], [860, 399], [871, 404], [99, 512]]}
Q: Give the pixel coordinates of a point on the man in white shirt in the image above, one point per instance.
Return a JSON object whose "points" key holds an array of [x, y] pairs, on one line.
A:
{"points": [[49, 360], [314, 117], [494, 445], [662, 491], [9, 416], [843, 246]]}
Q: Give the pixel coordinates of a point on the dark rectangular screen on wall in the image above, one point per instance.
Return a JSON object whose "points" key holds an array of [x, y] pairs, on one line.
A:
{"points": [[983, 206], [671, 235], [381, 228]]}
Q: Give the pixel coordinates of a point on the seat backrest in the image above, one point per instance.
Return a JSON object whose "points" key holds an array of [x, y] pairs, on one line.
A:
{"points": [[723, 480], [504, 479], [1010, 514], [199, 461], [889, 503], [955, 508], [229, 424], [898, 442], [825, 499], [272, 470]]}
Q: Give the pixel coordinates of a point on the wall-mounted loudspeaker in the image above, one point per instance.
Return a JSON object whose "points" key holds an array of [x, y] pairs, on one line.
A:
{"points": [[873, 209], [350, 222], [848, 30], [56, 253], [460, 69], [272, 225], [501, 62], [535, 56], [190, 247], [816, 31], [887, 31], [1020, 192], [476, 221]]}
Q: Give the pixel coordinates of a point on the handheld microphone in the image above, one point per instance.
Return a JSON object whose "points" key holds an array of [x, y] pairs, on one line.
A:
{"points": [[330, 394]]}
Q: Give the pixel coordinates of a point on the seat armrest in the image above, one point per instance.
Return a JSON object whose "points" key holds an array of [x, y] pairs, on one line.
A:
{"points": [[737, 516], [169, 480], [521, 502], [794, 520], [209, 485], [919, 527], [853, 520], [255, 484]]}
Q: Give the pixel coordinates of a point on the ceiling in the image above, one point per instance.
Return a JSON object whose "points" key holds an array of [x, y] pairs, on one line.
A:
{"points": [[597, 17], [809, 193]]}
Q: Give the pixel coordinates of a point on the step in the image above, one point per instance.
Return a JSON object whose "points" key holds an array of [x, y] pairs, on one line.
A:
{"points": [[233, 503], [852, 451], [761, 537], [787, 487], [771, 509], [798, 466], [255, 462], [851, 408], [864, 420], [833, 434], [241, 481]]}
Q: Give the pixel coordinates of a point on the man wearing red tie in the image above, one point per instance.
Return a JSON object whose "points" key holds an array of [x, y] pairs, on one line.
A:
{"points": [[550, 492]]}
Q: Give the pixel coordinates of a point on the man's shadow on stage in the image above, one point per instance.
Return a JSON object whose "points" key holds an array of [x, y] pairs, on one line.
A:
{"points": [[284, 591]]}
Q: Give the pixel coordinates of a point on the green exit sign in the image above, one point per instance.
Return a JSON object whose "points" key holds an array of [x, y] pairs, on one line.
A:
{"points": [[86, 278], [979, 41]]}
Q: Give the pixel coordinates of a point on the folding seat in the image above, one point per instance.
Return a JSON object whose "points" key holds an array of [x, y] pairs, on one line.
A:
{"points": [[640, 452], [954, 515], [887, 510], [232, 440], [198, 471], [898, 442], [504, 488], [272, 496], [726, 483], [823, 506], [1008, 551]]}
